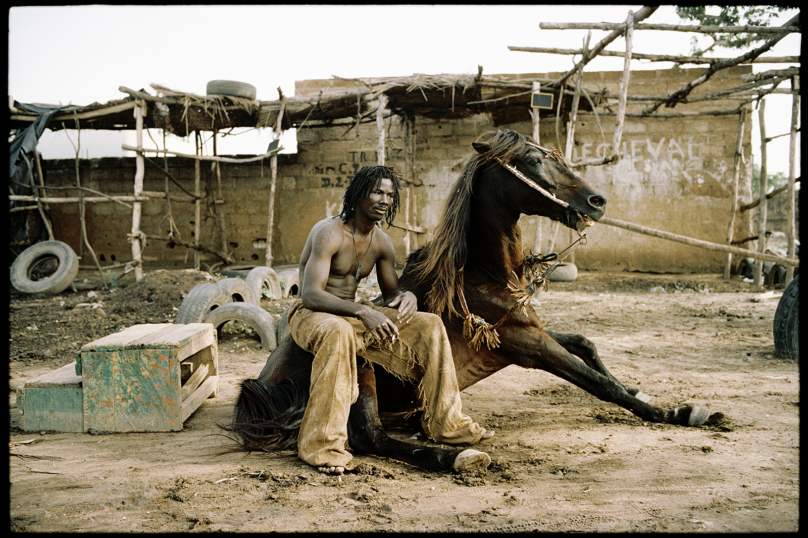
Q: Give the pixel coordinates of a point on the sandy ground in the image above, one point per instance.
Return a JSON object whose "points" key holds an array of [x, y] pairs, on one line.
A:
{"points": [[562, 460]]}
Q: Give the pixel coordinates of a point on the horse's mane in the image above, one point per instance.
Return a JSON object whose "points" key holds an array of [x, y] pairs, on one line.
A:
{"points": [[444, 258]]}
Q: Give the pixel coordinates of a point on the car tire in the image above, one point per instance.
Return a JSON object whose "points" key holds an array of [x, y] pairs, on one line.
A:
{"points": [[231, 88], [31, 262], [240, 291], [200, 301], [565, 272], [261, 278], [290, 282], [237, 271], [254, 316], [787, 322]]}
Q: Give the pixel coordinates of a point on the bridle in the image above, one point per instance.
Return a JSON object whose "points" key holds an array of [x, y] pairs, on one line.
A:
{"points": [[552, 153], [537, 267]]}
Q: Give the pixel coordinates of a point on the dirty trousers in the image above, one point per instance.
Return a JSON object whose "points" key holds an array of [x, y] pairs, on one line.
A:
{"points": [[421, 355]]}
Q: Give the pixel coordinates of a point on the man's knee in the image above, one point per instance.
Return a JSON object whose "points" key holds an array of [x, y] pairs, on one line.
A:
{"points": [[429, 318]]}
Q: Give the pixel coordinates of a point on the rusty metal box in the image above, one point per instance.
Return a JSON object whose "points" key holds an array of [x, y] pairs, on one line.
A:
{"points": [[52, 402], [148, 378]]}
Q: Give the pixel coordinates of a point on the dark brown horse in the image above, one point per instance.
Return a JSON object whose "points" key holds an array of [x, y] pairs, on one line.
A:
{"points": [[474, 274]]}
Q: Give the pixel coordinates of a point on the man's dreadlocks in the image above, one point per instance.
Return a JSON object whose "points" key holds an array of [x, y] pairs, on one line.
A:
{"points": [[365, 180]]}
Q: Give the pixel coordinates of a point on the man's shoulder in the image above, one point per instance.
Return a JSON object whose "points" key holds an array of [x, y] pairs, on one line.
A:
{"points": [[329, 223]]}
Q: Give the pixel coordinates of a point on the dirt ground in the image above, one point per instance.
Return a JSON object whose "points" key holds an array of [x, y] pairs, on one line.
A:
{"points": [[562, 460]]}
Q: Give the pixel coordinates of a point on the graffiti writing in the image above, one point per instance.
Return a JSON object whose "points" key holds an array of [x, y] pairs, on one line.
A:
{"points": [[339, 175]]}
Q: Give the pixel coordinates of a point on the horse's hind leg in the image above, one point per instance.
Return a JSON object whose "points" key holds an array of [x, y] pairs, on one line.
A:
{"points": [[366, 434], [583, 348]]}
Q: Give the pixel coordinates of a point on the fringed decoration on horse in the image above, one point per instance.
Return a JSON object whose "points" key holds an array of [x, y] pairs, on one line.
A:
{"points": [[479, 332], [522, 294]]}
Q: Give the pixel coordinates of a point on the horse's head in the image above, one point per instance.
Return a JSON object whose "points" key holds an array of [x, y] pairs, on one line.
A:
{"points": [[536, 181]]}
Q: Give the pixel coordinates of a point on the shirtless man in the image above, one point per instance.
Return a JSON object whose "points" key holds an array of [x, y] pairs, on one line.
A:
{"points": [[327, 321]]}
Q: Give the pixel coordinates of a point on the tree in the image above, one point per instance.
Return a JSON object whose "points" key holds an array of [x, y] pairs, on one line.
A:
{"points": [[773, 181], [730, 16]]}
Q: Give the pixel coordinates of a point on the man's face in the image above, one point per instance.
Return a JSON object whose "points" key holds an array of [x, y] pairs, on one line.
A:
{"points": [[379, 200]]}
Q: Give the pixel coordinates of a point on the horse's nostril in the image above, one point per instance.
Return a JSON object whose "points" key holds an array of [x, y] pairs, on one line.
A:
{"points": [[597, 201]]}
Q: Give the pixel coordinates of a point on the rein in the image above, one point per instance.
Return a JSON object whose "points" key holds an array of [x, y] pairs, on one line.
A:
{"points": [[537, 267]]}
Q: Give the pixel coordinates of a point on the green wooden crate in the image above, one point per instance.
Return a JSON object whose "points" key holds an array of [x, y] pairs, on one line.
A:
{"points": [[52, 402], [148, 378]]}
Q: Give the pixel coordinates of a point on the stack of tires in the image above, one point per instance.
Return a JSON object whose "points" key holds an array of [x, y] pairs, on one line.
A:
{"points": [[234, 299]]}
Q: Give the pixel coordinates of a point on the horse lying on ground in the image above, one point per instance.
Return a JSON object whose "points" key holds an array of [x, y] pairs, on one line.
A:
{"points": [[475, 275]]}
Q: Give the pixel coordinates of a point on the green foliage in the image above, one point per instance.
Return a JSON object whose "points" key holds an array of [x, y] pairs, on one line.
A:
{"points": [[773, 181], [730, 16]]}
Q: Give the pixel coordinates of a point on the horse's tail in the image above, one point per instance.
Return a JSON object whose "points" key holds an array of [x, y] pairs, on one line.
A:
{"points": [[267, 416]]}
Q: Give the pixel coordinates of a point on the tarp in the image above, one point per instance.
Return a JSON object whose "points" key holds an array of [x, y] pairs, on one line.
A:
{"points": [[25, 143]]}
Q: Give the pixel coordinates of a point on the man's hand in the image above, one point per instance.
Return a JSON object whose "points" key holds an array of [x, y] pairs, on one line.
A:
{"points": [[407, 306], [378, 324]]}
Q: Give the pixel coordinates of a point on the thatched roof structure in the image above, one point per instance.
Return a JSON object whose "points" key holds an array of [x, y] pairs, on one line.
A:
{"points": [[181, 113]]}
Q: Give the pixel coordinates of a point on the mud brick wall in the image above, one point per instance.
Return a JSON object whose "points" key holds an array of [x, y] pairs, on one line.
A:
{"points": [[675, 175]]}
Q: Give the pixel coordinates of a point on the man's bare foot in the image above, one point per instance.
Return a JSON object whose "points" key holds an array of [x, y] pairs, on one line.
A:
{"points": [[471, 460], [331, 470], [487, 435]]}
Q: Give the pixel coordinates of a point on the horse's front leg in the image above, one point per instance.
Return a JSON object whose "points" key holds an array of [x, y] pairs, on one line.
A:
{"points": [[366, 434], [583, 348], [533, 348]]}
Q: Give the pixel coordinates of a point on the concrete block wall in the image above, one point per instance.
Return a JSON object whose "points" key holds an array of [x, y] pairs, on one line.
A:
{"points": [[675, 175]]}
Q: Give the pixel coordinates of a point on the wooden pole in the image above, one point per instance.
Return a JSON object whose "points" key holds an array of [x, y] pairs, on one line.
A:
{"points": [[206, 157], [38, 193], [698, 242], [273, 166], [198, 200], [534, 116], [642, 14], [658, 57], [624, 80], [763, 209], [736, 172], [792, 171], [140, 171], [571, 126], [668, 27], [408, 135], [682, 93], [380, 127], [414, 219], [756, 202], [219, 199]]}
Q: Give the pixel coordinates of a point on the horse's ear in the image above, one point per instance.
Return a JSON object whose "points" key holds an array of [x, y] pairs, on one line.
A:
{"points": [[480, 147]]}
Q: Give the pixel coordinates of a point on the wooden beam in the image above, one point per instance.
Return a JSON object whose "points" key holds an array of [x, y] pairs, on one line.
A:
{"points": [[204, 157], [792, 170], [698, 242], [669, 27], [762, 216], [679, 95], [642, 14], [80, 116], [138, 187], [659, 57], [736, 171], [756, 202], [621, 107]]}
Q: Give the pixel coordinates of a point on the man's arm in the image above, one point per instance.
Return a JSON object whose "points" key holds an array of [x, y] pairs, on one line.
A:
{"points": [[393, 295]]}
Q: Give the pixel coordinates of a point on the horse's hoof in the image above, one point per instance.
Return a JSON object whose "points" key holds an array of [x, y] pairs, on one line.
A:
{"points": [[698, 415], [471, 460], [643, 397]]}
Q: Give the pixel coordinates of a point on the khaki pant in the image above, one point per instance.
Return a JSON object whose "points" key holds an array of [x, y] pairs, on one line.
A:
{"points": [[421, 355]]}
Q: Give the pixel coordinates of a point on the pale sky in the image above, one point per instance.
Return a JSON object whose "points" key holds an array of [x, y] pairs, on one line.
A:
{"points": [[83, 54]]}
